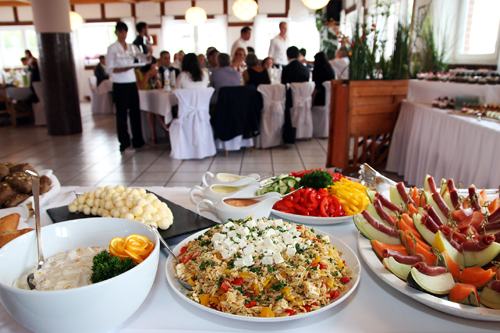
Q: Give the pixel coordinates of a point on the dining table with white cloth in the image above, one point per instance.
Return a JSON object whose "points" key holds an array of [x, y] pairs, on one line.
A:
{"points": [[432, 141], [159, 102], [420, 91], [19, 93], [373, 307]]}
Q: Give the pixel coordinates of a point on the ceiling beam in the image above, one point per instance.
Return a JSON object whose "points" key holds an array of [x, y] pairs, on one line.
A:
{"points": [[14, 3]]}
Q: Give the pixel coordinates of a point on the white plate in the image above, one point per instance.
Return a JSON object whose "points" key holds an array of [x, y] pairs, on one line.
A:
{"points": [[21, 210], [441, 304], [312, 219], [348, 255]]}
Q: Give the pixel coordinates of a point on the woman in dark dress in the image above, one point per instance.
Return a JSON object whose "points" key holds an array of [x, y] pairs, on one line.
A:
{"points": [[322, 72], [254, 74]]}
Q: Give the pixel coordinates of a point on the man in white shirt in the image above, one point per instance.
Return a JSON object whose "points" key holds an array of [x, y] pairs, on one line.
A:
{"points": [[279, 45], [246, 33], [125, 94], [341, 64]]}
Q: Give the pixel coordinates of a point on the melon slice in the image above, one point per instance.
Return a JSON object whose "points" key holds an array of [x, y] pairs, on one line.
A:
{"points": [[400, 270], [436, 285]]}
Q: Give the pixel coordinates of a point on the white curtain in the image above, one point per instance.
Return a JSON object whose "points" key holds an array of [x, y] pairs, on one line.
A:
{"points": [[304, 34], [212, 33], [265, 28], [177, 35]]}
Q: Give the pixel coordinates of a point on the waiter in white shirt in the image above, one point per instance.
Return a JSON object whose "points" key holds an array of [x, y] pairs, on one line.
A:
{"points": [[246, 33], [119, 63], [341, 64], [279, 45]]}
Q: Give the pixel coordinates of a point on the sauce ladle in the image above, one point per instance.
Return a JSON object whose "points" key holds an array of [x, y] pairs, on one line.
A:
{"points": [[35, 183]]}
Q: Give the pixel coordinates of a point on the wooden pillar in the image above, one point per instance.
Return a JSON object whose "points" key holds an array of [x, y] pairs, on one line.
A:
{"points": [[57, 66]]}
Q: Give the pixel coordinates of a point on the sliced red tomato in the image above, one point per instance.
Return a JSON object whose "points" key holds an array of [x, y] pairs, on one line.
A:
{"points": [[290, 311], [238, 281]]}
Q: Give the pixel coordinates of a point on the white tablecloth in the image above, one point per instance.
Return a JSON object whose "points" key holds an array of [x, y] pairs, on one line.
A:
{"points": [[432, 141], [158, 101], [373, 307], [19, 93], [427, 91]]}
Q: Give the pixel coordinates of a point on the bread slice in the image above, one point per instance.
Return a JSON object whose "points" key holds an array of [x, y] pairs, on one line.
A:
{"points": [[9, 222], [7, 236]]}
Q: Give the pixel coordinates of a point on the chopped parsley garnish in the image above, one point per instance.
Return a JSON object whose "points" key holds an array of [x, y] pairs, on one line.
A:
{"points": [[105, 266]]}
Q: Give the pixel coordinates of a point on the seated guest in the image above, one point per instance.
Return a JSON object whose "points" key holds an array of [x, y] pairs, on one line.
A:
{"points": [[254, 74], [250, 50], [341, 64], [322, 72], [202, 60], [24, 60], [192, 76], [238, 61], [295, 71], [147, 76], [223, 76], [178, 60], [164, 64], [100, 70], [302, 59], [34, 77], [212, 54]]}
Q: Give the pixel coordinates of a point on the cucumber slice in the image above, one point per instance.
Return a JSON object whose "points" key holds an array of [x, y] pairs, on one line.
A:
{"points": [[426, 183], [371, 195], [396, 268], [436, 285], [373, 234], [426, 234], [481, 258], [447, 199]]}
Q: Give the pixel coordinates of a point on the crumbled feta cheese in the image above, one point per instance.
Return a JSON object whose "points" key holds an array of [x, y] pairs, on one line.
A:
{"points": [[251, 223], [239, 263], [231, 234], [287, 238], [248, 260], [267, 260], [218, 246], [218, 237], [227, 226], [234, 248], [290, 250], [278, 223], [249, 249], [228, 242], [225, 254], [278, 259]]}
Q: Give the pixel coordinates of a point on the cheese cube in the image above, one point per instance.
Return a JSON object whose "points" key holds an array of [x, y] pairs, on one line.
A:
{"points": [[218, 237], [278, 259], [290, 250], [248, 260], [267, 260]]}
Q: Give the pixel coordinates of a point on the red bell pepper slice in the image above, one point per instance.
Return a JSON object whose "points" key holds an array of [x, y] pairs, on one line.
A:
{"points": [[345, 279], [238, 281], [290, 311], [335, 294], [224, 287], [307, 307], [314, 304], [300, 210], [251, 304], [184, 249], [323, 207], [322, 266]]}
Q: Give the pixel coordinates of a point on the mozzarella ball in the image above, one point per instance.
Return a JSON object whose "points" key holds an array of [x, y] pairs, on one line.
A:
{"points": [[81, 199], [109, 205], [142, 191], [80, 208], [128, 190], [146, 216], [124, 195], [164, 223], [129, 204], [92, 194], [123, 210], [86, 210], [115, 195], [137, 211], [93, 211], [107, 197], [149, 208], [162, 213], [164, 206], [86, 193], [112, 211], [116, 213], [156, 218], [156, 203], [90, 202], [154, 225], [105, 213], [141, 202], [109, 187], [98, 193], [134, 192], [119, 189], [139, 219], [75, 202], [129, 216], [119, 204], [144, 195], [72, 208], [99, 211], [150, 197]]}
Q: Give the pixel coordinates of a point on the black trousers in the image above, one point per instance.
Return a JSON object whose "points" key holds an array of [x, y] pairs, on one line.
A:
{"points": [[126, 98]]}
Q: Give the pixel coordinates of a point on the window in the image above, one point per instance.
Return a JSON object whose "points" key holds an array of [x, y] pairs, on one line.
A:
{"points": [[478, 32], [481, 27], [13, 41], [94, 39]]}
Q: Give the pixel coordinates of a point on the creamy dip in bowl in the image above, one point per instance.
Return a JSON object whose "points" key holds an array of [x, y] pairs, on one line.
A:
{"points": [[82, 309]]}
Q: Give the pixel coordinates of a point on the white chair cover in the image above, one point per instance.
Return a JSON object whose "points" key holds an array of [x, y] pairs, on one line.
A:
{"points": [[191, 135], [100, 103], [39, 108], [321, 114], [273, 115], [301, 110], [234, 144]]}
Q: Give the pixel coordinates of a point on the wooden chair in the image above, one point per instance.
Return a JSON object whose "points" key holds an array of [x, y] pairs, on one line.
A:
{"points": [[362, 118], [6, 108]]}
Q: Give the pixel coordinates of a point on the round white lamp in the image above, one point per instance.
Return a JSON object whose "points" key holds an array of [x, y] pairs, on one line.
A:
{"points": [[196, 15], [75, 20], [245, 9], [315, 4]]}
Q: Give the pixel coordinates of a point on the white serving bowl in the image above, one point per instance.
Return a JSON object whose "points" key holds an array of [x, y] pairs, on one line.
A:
{"points": [[98, 307]]}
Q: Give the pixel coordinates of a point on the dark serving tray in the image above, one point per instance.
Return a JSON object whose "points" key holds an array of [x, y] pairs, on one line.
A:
{"points": [[185, 221]]}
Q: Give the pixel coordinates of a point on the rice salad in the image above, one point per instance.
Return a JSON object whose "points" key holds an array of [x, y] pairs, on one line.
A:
{"points": [[263, 268]]}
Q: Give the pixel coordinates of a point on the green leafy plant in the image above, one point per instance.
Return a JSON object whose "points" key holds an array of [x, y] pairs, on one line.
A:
{"points": [[328, 33]]}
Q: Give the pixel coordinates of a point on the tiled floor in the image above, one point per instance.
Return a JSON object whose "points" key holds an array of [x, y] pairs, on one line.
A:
{"points": [[93, 158]]}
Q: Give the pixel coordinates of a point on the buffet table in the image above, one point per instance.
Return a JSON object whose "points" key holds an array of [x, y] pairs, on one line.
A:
{"points": [[431, 141], [373, 307], [427, 91]]}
